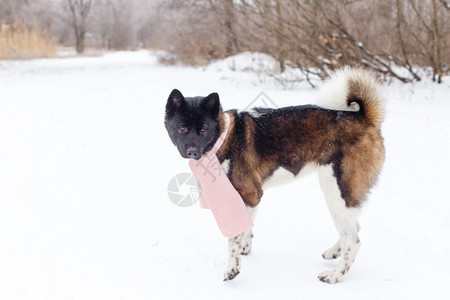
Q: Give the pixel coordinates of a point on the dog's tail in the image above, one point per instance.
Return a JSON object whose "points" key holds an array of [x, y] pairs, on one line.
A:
{"points": [[354, 89]]}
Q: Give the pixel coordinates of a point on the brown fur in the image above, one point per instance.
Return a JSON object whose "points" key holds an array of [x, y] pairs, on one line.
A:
{"points": [[294, 136]]}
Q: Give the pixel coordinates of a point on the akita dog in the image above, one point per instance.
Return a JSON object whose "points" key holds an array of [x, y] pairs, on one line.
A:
{"points": [[341, 139]]}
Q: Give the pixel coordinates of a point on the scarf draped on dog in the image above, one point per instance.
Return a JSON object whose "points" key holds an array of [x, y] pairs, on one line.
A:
{"points": [[217, 193]]}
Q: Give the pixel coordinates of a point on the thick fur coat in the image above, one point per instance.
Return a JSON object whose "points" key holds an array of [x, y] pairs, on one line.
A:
{"points": [[341, 138]]}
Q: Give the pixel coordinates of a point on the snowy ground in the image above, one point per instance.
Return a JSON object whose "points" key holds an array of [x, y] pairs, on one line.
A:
{"points": [[84, 214]]}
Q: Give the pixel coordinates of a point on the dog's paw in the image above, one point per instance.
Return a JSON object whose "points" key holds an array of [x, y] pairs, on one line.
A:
{"points": [[231, 274], [329, 276], [331, 253]]}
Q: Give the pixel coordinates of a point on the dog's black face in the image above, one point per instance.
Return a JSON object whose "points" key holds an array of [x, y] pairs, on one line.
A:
{"points": [[192, 123]]}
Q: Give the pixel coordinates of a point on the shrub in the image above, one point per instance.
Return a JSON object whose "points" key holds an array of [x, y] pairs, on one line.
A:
{"points": [[19, 41]]}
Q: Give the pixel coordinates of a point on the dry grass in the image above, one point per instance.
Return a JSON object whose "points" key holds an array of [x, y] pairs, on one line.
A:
{"points": [[18, 41]]}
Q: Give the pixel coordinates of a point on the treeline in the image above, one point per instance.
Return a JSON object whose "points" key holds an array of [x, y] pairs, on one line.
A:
{"points": [[396, 38], [106, 24]]}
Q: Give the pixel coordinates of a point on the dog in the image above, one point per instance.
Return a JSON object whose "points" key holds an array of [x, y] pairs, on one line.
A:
{"points": [[343, 144]]}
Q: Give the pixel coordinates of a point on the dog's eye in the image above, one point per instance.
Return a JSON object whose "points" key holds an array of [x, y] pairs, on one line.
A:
{"points": [[204, 129], [183, 129]]}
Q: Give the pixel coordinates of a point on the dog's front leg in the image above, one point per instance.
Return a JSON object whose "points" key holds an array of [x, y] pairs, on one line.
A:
{"points": [[234, 257], [238, 245], [246, 241], [235, 247]]}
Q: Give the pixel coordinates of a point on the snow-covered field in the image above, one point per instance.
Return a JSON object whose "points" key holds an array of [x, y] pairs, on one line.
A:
{"points": [[84, 213]]}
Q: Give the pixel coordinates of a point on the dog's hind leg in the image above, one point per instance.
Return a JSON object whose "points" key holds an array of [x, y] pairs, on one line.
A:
{"points": [[241, 244], [345, 220], [335, 251]]}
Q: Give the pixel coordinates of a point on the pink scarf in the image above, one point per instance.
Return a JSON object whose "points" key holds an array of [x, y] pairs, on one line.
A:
{"points": [[217, 192]]}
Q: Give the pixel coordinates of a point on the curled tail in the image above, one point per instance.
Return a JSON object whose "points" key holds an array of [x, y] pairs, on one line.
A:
{"points": [[354, 89]]}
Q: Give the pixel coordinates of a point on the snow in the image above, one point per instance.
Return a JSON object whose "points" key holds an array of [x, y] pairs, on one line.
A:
{"points": [[247, 62], [84, 213]]}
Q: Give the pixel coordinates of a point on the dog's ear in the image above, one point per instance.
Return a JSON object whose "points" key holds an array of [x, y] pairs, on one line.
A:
{"points": [[211, 104], [175, 102]]}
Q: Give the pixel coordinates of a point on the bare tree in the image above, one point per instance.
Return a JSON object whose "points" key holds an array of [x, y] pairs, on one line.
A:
{"points": [[318, 36], [36, 13], [122, 29], [79, 10]]}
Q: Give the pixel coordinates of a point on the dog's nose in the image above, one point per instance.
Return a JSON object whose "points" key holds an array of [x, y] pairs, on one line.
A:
{"points": [[192, 152]]}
